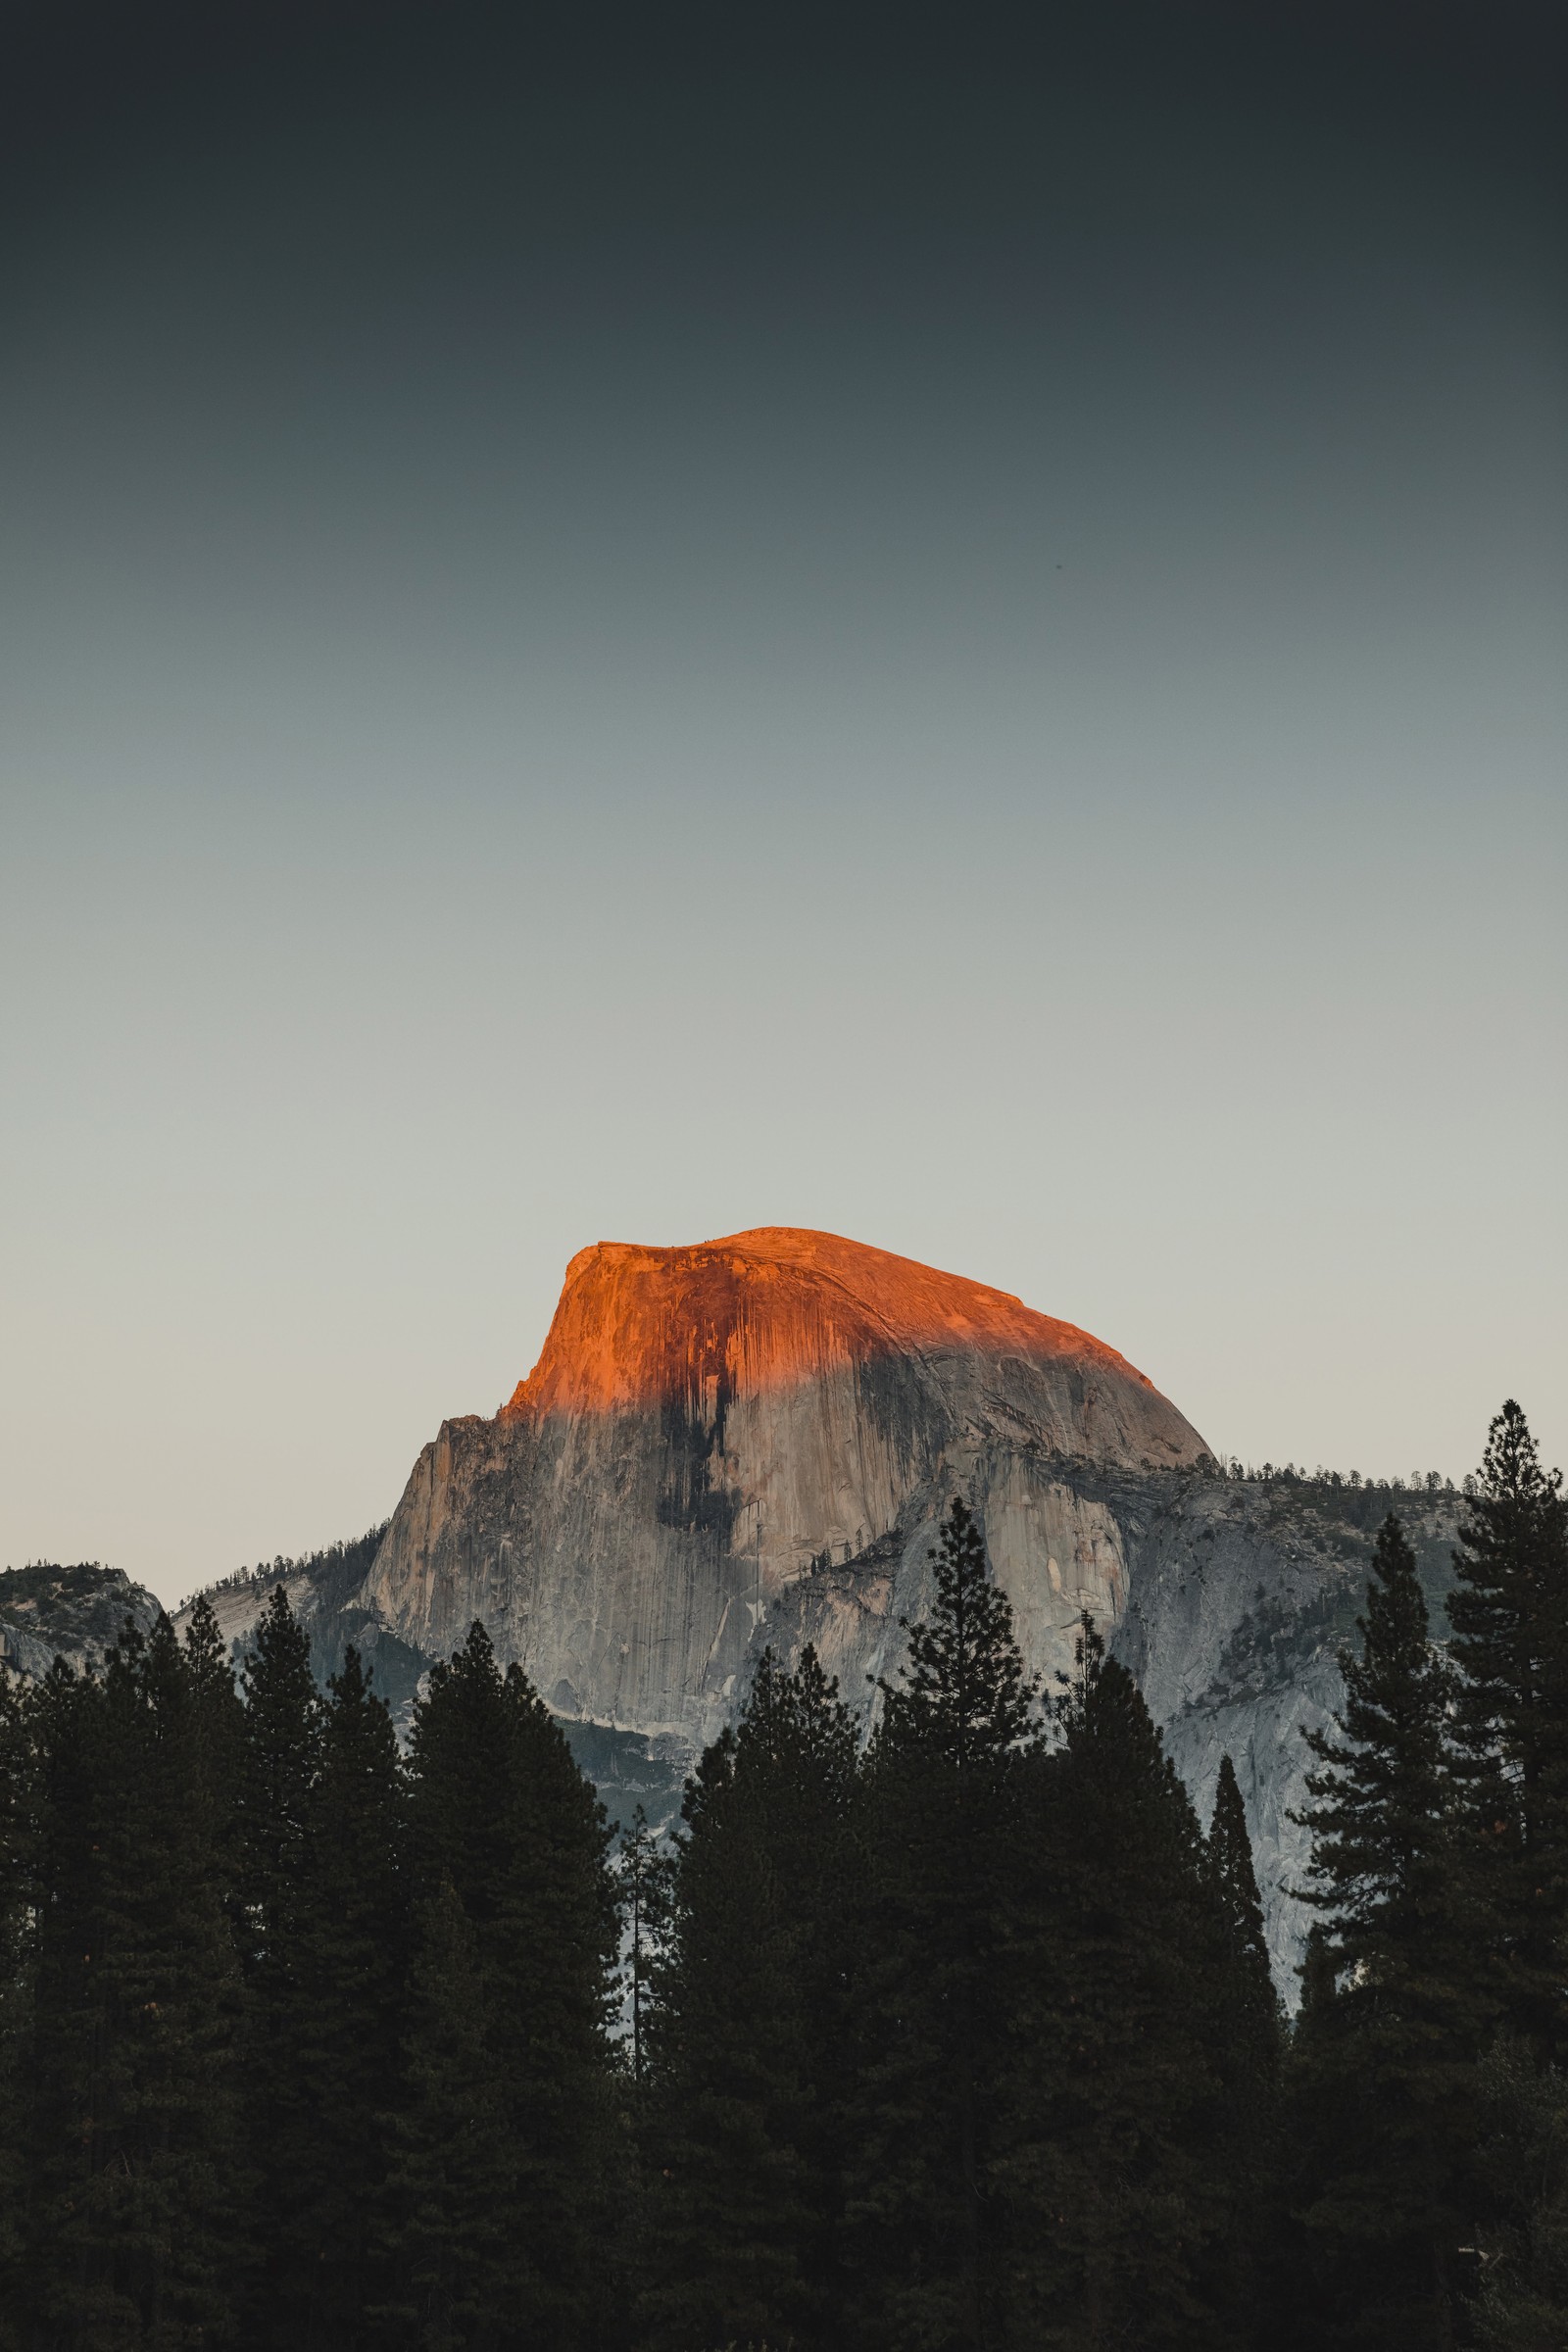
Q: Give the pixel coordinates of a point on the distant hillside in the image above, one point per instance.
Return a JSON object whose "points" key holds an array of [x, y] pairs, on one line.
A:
{"points": [[76, 1613]]}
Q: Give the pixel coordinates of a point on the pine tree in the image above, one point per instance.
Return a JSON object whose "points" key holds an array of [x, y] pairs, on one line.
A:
{"points": [[1113, 2151], [747, 2036], [279, 1762], [1252, 2001], [1509, 1614], [221, 1718], [449, 2203], [965, 1702], [498, 1807], [1389, 2055], [941, 1816], [1249, 2058], [344, 2028], [278, 1770], [134, 2167]]}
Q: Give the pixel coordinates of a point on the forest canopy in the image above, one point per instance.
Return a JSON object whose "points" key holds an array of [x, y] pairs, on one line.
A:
{"points": [[961, 2037]]}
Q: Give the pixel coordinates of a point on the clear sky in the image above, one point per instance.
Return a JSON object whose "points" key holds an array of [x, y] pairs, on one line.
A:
{"points": [[957, 642]]}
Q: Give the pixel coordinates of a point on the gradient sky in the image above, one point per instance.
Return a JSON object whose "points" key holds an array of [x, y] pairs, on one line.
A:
{"points": [[956, 640]]}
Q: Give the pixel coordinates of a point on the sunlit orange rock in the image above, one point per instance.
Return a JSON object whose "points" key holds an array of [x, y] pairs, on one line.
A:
{"points": [[768, 1310]]}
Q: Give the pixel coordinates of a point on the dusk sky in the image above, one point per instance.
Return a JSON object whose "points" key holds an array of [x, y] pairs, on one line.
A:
{"points": [[951, 638]]}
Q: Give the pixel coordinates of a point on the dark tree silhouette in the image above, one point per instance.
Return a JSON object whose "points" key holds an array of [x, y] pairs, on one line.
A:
{"points": [[1509, 1614], [1385, 2052], [747, 2037], [942, 1796]]}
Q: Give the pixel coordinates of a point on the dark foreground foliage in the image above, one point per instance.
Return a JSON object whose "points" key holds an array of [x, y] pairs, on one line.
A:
{"points": [[965, 2042]]}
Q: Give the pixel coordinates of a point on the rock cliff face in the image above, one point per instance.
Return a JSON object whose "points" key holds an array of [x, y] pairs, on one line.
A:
{"points": [[756, 1431]]}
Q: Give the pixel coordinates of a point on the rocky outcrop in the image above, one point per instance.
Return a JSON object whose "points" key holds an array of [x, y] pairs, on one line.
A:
{"points": [[74, 1613]]}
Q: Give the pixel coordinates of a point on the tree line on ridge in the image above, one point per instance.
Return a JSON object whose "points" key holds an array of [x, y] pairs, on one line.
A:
{"points": [[965, 2041]]}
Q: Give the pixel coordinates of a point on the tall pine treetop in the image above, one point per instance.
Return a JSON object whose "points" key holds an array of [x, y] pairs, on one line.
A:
{"points": [[1106, 1727], [1381, 1803], [964, 1694], [281, 1758], [1229, 1852], [748, 2031], [499, 1810], [283, 1721], [1128, 2061], [1509, 1605], [1510, 1613], [222, 1719], [1389, 2020], [798, 1722], [204, 1647]]}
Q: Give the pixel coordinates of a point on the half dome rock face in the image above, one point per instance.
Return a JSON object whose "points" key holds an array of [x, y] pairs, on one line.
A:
{"points": [[752, 1440]]}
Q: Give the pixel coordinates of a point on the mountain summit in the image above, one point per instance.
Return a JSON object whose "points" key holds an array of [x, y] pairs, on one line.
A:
{"points": [[759, 1313]]}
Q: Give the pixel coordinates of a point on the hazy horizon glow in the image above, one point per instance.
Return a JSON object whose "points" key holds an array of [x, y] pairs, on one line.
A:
{"points": [[973, 660]]}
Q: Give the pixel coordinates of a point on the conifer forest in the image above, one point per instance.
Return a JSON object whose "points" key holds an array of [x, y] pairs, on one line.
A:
{"points": [[961, 2040]]}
